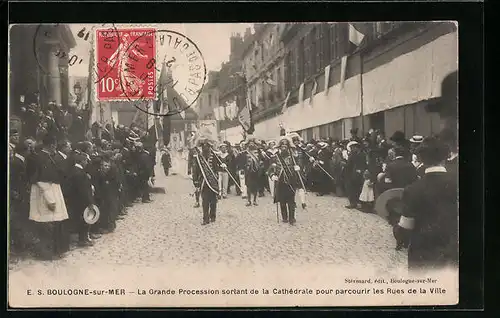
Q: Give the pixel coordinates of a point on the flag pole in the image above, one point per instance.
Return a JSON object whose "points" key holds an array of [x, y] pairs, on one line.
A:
{"points": [[90, 84]]}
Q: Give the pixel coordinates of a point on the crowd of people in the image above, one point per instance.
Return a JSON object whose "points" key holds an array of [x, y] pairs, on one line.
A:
{"points": [[357, 168], [59, 171], [360, 169]]}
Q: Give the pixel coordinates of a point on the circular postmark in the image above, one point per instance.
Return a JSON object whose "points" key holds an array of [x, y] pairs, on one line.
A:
{"points": [[49, 35], [182, 74]]}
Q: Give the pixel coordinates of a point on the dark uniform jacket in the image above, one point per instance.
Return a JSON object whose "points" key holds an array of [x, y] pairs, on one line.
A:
{"points": [[241, 160], [433, 205], [451, 166], [208, 170], [145, 165], [107, 187], [288, 178], [19, 187], [79, 193], [401, 172], [166, 161], [191, 160], [356, 163], [46, 169], [63, 166]]}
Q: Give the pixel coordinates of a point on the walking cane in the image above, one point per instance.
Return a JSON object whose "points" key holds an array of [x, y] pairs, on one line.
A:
{"points": [[277, 214], [229, 173], [298, 172], [319, 165]]}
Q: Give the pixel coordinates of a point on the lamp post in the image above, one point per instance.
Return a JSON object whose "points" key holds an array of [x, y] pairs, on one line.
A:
{"points": [[77, 89]]}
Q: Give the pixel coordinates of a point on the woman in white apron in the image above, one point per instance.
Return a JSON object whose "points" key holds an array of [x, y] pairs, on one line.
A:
{"points": [[47, 206]]}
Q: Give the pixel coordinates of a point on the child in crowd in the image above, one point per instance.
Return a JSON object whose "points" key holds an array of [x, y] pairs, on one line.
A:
{"points": [[367, 196]]}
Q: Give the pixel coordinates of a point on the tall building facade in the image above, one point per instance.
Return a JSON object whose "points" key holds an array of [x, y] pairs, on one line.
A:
{"points": [[385, 82]]}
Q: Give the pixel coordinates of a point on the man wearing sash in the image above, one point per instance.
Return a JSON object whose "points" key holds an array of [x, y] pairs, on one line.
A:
{"points": [[252, 170], [223, 174], [271, 154], [192, 163], [241, 159], [286, 180], [205, 179], [299, 150]]}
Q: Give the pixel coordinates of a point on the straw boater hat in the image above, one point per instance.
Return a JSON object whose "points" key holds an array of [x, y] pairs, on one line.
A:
{"points": [[417, 139], [91, 216], [352, 143], [389, 200], [322, 144]]}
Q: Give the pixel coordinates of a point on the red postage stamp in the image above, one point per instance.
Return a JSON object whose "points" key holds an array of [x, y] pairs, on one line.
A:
{"points": [[126, 70]]}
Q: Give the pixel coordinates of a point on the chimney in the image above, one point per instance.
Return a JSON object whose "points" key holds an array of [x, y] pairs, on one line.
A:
{"points": [[248, 34], [236, 46]]}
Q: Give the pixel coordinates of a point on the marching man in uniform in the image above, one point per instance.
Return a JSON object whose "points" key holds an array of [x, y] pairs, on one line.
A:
{"points": [[206, 181], [271, 153], [300, 160], [252, 170], [286, 181]]}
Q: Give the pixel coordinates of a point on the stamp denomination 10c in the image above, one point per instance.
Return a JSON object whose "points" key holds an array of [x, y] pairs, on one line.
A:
{"points": [[133, 76]]}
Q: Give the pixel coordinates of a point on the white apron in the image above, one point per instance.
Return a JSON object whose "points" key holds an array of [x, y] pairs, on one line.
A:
{"points": [[43, 193]]}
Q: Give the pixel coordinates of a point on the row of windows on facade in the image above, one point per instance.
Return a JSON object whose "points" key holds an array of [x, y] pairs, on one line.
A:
{"points": [[322, 45], [264, 50], [325, 43]]}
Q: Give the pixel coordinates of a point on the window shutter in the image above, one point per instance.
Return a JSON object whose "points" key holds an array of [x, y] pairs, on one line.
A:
{"points": [[318, 49], [326, 44], [333, 43], [300, 63], [307, 55], [312, 51]]}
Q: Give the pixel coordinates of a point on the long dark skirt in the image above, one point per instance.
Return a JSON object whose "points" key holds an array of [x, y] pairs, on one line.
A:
{"points": [[52, 239]]}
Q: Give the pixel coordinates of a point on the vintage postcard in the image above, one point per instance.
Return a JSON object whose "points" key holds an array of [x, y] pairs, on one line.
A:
{"points": [[233, 164]]}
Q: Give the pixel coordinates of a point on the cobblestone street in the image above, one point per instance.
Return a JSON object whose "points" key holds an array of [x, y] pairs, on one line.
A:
{"points": [[167, 235], [169, 231]]}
